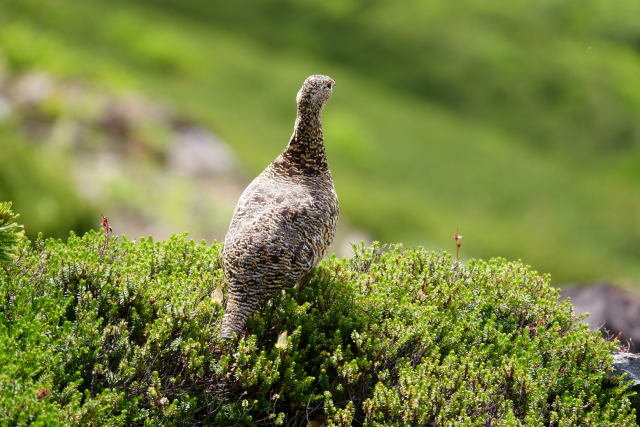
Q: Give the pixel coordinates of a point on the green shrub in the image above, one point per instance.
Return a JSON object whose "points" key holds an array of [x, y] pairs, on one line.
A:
{"points": [[10, 232], [115, 332]]}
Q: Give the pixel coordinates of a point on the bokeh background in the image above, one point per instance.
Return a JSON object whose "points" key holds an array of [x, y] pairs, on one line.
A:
{"points": [[514, 123]]}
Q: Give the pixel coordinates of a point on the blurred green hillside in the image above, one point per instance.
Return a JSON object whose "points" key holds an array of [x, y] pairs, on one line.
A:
{"points": [[515, 123]]}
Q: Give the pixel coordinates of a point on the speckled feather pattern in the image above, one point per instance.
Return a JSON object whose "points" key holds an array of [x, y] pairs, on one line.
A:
{"points": [[285, 219]]}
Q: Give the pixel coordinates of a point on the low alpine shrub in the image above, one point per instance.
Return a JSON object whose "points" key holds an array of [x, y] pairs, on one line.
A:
{"points": [[104, 331]]}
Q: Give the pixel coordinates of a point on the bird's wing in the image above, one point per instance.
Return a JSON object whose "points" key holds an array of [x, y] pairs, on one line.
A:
{"points": [[268, 240]]}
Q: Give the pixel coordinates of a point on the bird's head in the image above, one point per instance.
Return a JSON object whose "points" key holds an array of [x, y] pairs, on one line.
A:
{"points": [[315, 92]]}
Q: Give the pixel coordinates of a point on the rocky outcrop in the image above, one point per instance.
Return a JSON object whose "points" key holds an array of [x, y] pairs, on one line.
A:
{"points": [[196, 152], [613, 310], [629, 363]]}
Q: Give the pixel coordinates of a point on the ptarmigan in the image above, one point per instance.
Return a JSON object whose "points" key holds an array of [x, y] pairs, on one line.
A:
{"points": [[285, 219]]}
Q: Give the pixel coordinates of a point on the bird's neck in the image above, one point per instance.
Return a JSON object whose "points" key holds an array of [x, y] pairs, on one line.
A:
{"points": [[306, 147]]}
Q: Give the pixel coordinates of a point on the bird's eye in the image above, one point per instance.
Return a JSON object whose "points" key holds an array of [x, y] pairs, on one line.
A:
{"points": [[329, 85]]}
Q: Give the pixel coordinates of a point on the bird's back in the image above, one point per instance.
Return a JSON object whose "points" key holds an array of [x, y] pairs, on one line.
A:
{"points": [[281, 228]]}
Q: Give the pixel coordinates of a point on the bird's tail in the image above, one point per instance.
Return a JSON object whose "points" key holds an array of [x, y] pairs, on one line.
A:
{"points": [[235, 316]]}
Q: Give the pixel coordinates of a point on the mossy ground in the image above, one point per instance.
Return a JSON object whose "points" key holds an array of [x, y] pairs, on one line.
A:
{"points": [[105, 331]]}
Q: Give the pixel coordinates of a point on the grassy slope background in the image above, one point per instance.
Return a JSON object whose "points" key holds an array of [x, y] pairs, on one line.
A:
{"points": [[515, 123]]}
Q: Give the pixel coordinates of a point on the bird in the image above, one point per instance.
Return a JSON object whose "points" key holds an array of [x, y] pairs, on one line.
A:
{"points": [[285, 219]]}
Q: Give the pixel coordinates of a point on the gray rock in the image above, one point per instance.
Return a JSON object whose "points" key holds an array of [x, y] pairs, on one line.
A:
{"points": [[614, 310], [32, 88], [5, 108], [196, 152], [629, 363]]}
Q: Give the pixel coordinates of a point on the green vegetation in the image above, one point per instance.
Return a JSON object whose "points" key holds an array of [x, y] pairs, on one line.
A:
{"points": [[98, 331], [10, 232], [36, 178], [515, 122]]}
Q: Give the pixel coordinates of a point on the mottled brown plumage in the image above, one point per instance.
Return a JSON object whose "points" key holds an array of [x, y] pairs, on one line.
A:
{"points": [[285, 219]]}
